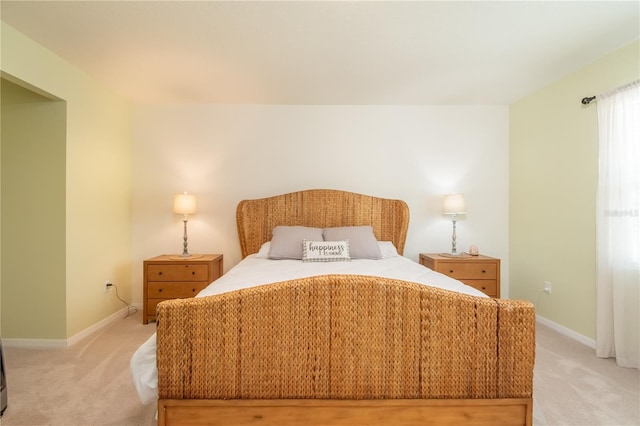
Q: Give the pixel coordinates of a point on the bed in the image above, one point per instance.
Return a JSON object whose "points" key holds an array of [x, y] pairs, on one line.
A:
{"points": [[367, 341]]}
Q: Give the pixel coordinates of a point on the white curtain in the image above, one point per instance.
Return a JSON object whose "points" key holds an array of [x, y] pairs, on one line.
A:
{"points": [[618, 226]]}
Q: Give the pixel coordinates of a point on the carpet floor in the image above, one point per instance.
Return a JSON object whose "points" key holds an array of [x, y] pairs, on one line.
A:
{"points": [[89, 383]]}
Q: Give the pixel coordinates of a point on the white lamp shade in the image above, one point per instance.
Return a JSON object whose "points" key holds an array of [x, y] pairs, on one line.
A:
{"points": [[184, 204], [454, 204]]}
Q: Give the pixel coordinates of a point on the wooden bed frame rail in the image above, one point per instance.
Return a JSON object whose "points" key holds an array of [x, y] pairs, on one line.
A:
{"points": [[322, 412]]}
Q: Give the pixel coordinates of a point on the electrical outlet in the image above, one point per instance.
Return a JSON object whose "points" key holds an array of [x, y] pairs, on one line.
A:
{"points": [[547, 287], [107, 285]]}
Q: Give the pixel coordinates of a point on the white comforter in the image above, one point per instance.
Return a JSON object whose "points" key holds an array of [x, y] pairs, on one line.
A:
{"points": [[256, 269]]}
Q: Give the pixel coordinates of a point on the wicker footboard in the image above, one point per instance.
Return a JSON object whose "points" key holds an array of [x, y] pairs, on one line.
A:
{"points": [[328, 340]]}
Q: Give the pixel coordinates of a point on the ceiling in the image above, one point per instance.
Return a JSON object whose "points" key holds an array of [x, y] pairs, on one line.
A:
{"points": [[327, 52]]}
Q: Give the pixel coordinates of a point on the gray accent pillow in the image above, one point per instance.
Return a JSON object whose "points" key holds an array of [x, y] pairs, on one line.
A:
{"points": [[286, 242], [362, 242]]}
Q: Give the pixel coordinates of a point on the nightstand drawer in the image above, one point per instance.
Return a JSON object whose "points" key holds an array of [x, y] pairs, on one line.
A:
{"points": [[481, 272], [488, 287], [169, 277], [184, 272], [475, 270], [174, 290]]}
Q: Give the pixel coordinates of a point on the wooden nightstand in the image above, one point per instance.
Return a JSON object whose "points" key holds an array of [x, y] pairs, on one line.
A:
{"points": [[171, 277], [481, 272]]}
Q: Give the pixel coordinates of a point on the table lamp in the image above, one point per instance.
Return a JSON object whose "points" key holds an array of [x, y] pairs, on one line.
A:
{"points": [[184, 204], [454, 205]]}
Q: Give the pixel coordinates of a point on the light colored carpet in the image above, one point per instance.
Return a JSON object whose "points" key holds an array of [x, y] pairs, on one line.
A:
{"points": [[89, 383], [573, 387], [86, 384]]}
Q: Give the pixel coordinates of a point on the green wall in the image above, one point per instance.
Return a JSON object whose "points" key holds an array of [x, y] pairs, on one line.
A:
{"points": [[553, 169], [87, 238], [33, 214]]}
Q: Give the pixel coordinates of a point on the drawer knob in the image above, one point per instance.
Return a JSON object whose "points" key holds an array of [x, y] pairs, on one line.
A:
{"points": [[159, 290], [193, 272], [484, 272], [160, 273], [451, 271], [193, 290]]}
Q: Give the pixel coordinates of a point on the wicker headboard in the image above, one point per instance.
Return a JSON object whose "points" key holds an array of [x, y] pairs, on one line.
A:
{"points": [[322, 208]]}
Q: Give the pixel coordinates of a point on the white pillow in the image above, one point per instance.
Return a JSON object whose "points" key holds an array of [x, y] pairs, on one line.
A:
{"points": [[362, 242], [263, 253], [286, 242], [387, 249], [325, 251]]}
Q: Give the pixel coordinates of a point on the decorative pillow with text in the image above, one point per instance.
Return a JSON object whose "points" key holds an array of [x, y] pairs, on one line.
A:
{"points": [[325, 251]]}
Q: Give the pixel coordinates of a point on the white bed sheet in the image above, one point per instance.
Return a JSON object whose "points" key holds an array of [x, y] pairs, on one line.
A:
{"points": [[255, 270]]}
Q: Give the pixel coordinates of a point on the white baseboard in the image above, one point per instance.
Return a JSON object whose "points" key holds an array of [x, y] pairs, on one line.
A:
{"points": [[96, 327], [567, 332], [63, 343]]}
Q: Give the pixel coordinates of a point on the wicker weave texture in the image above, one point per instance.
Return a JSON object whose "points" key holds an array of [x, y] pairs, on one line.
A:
{"points": [[320, 208], [344, 337]]}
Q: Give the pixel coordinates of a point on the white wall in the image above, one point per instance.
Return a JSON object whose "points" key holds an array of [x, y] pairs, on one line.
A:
{"points": [[224, 154]]}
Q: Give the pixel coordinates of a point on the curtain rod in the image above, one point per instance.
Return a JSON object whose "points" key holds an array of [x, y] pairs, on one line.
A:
{"points": [[588, 100]]}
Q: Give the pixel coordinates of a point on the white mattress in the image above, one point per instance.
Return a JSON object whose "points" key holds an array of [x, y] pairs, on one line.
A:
{"points": [[258, 270]]}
